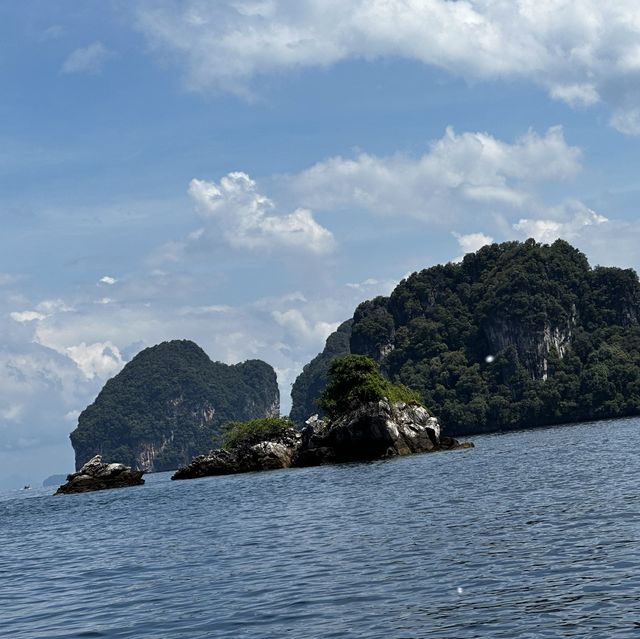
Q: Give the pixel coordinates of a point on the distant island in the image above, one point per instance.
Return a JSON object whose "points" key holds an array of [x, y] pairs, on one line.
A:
{"points": [[168, 404], [54, 480], [517, 335]]}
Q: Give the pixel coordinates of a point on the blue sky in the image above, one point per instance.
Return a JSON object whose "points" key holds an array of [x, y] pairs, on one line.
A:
{"points": [[243, 173]]}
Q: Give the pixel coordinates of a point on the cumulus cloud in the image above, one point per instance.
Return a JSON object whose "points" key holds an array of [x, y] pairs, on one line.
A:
{"points": [[471, 242], [100, 359], [38, 386], [570, 226], [108, 280], [580, 51], [88, 59], [248, 219], [44, 309], [26, 316], [294, 321], [463, 168]]}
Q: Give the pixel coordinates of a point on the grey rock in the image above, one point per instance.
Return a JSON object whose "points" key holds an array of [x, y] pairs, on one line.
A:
{"points": [[268, 455], [377, 430], [96, 475]]}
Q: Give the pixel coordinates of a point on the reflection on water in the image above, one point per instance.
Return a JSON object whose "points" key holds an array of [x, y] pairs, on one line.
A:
{"points": [[531, 534]]}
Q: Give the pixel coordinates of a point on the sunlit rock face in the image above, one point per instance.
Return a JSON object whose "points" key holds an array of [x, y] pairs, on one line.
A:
{"points": [[169, 403]]}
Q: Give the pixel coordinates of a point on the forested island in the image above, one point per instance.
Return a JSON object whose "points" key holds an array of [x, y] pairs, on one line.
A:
{"points": [[518, 334], [168, 404]]}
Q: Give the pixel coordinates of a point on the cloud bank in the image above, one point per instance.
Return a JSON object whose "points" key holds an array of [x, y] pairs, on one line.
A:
{"points": [[581, 52], [458, 170]]}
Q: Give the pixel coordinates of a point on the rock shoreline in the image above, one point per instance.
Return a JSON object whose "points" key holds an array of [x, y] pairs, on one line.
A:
{"points": [[97, 475], [377, 430]]}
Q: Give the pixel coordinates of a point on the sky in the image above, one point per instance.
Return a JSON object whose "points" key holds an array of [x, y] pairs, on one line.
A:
{"points": [[243, 173]]}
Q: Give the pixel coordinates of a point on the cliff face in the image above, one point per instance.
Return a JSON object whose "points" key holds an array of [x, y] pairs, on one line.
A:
{"points": [[168, 404], [533, 345], [517, 335]]}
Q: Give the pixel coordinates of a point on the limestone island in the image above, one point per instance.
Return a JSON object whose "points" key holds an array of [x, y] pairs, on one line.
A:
{"points": [[96, 475], [368, 418]]}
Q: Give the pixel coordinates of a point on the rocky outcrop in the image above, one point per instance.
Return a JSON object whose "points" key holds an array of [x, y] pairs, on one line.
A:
{"points": [[96, 475], [377, 430], [268, 455], [373, 431]]}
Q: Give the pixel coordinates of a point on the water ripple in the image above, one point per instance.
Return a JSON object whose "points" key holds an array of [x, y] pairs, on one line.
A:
{"points": [[531, 534]]}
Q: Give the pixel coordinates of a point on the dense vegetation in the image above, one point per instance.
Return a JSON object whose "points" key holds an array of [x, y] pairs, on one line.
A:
{"points": [[516, 335], [308, 386], [236, 434], [167, 405], [355, 380]]}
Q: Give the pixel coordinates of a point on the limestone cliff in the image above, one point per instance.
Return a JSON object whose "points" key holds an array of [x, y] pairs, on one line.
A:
{"points": [[168, 404]]}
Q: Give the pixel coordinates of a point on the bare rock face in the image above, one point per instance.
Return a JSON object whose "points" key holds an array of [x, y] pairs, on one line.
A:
{"points": [[96, 475], [377, 430]]}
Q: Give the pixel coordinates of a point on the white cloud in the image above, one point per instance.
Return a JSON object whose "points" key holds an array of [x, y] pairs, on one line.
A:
{"points": [[100, 359], [44, 309], [108, 280], [471, 242], [26, 316], [372, 287], [569, 227], [580, 51], [293, 320], [457, 170], [38, 386], [54, 306], [248, 219], [88, 59]]}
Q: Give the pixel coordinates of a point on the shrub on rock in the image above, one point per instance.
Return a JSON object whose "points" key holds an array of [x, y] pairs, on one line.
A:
{"points": [[356, 380]]}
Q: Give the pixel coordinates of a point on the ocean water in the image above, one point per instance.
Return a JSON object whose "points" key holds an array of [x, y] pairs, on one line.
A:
{"points": [[530, 534]]}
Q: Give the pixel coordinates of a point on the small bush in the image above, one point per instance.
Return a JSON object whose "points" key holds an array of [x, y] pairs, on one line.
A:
{"points": [[253, 432], [356, 379]]}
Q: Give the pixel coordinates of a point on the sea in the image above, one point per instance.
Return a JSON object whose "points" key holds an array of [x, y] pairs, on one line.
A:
{"points": [[530, 534]]}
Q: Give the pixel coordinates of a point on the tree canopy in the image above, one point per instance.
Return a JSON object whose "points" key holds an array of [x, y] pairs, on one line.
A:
{"points": [[355, 380]]}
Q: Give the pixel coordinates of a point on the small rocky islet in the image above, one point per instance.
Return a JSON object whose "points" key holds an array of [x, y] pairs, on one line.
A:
{"points": [[98, 475], [376, 430]]}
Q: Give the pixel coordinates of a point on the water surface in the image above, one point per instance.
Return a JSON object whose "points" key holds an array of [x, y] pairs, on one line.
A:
{"points": [[530, 534]]}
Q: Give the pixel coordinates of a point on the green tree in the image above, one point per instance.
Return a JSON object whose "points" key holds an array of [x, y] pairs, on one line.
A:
{"points": [[356, 379]]}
